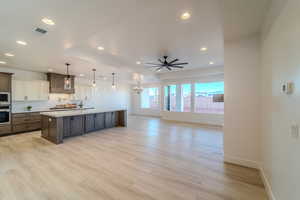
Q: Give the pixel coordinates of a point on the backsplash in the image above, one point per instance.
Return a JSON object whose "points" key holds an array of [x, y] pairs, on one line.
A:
{"points": [[54, 99]]}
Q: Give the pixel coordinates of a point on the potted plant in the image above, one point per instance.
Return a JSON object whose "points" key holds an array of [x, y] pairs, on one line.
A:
{"points": [[29, 108]]}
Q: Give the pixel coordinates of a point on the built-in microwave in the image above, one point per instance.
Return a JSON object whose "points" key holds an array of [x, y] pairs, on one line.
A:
{"points": [[4, 98], [4, 115]]}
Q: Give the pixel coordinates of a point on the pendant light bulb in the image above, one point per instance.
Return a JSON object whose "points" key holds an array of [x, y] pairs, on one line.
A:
{"points": [[113, 86], [94, 78], [67, 85]]}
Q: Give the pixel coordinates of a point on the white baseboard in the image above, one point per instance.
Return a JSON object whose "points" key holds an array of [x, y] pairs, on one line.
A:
{"points": [[267, 184], [255, 165], [242, 162]]}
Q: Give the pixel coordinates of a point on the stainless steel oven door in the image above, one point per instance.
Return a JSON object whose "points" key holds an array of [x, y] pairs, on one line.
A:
{"points": [[4, 98], [4, 116]]}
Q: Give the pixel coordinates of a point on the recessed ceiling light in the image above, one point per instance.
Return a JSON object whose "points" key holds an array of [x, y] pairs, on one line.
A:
{"points": [[48, 21], [203, 49], [81, 75], [211, 63], [138, 62], [9, 54], [21, 42], [185, 16], [2, 62], [100, 48], [50, 70]]}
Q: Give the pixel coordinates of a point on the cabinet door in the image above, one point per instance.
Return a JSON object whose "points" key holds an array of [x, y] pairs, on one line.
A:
{"points": [[67, 127], [18, 90], [90, 123], [5, 83], [44, 91], [32, 89], [99, 121], [77, 125], [108, 120]]}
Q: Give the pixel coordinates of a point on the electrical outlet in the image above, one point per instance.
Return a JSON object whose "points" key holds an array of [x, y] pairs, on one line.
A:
{"points": [[295, 131]]}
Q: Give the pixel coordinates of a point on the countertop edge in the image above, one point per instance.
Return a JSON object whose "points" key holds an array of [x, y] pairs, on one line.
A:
{"points": [[71, 113]]}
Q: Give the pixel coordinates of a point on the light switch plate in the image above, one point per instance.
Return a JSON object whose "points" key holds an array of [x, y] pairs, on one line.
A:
{"points": [[295, 131]]}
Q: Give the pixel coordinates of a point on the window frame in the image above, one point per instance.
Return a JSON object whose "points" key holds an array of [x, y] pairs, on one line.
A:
{"points": [[179, 96], [158, 98]]}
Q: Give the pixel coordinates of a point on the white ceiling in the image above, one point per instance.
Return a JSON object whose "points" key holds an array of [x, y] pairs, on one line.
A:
{"points": [[244, 17], [129, 30]]}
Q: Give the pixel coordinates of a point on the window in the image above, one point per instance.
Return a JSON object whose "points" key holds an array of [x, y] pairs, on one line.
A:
{"points": [[209, 97], [150, 98], [186, 97], [170, 98]]}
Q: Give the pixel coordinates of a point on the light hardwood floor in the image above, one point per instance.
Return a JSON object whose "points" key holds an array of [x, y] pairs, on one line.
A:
{"points": [[149, 160]]}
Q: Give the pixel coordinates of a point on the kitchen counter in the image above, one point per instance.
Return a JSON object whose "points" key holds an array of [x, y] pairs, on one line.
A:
{"points": [[57, 126], [48, 110], [77, 112]]}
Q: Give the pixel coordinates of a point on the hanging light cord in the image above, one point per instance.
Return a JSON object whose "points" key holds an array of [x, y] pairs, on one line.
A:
{"points": [[113, 83]]}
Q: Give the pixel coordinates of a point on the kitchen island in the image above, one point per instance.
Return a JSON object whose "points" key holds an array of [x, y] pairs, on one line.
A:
{"points": [[57, 126]]}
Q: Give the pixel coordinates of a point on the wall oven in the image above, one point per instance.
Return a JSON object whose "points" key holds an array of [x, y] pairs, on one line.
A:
{"points": [[4, 114], [4, 98]]}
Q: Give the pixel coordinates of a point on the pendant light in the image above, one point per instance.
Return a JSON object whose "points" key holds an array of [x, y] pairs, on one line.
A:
{"points": [[138, 88], [68, 83], [113, 81], [94, 78]]}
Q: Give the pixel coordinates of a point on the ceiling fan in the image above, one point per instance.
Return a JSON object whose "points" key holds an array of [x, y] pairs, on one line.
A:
{"points": [[164, 63]]}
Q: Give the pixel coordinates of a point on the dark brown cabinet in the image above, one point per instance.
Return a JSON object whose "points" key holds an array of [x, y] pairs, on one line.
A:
{"points": [[94, 122], [5, 130], [57, 83], [110, 119], [5, 82], [25, 122], [99, 121], [73, 126], [90, 123]]}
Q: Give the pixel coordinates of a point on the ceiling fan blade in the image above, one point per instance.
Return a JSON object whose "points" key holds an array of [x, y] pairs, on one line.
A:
{"points": [[174, 66], [173, 61], [158, 69], [169, 68], [181, 63], [157, 64]]}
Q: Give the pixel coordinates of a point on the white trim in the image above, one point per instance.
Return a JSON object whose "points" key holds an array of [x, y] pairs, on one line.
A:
{"points": [[255, 165], [267, 184], [242, 162]]}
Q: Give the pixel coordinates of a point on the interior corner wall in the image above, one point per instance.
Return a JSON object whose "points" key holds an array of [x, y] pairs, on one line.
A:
{"points": [[280, 64], [242, 102]]}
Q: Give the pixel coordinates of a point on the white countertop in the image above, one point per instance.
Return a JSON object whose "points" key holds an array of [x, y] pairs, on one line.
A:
{"points": [[48, 110], [77, 112]]}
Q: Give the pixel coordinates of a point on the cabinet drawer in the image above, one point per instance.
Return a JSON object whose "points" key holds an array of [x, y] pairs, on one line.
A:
{"points": [[19, 128], [26, 120], [19, 115], [34, 126], [5, 130], [26, 127]]}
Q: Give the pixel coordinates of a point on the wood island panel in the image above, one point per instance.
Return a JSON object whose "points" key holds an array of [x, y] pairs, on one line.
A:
{"points": [[55, 129]]}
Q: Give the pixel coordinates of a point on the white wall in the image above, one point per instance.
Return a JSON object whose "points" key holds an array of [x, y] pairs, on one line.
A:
{"points": [[104, 96], [280, 63], [242, 102]]}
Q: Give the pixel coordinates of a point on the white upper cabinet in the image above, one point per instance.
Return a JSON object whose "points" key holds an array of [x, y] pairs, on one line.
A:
{"points": [[30, 90]]}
